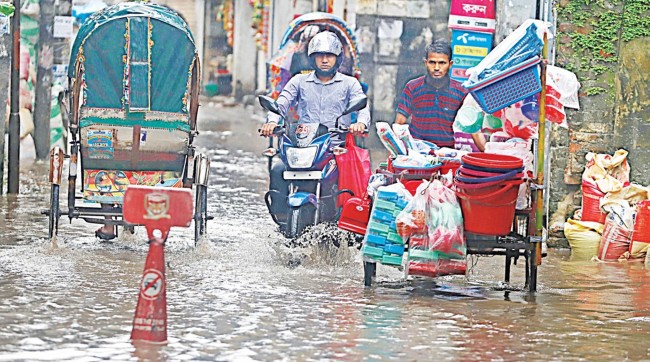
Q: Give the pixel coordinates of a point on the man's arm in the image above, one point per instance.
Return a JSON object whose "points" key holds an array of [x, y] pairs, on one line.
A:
{"points": [[287, 96], [404, 106], [363, 115]]}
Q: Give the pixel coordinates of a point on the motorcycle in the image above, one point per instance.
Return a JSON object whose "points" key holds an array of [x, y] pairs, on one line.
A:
{"points": [[308, 152]]}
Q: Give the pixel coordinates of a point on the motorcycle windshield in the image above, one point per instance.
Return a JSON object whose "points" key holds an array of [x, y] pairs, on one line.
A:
{"points": [[302, 134]]}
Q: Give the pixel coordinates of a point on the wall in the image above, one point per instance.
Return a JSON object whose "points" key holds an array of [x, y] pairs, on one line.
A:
{"points": [[608, 46]]}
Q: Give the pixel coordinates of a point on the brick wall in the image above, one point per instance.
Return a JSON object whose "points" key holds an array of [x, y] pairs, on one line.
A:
{"points": [[614, 97]]}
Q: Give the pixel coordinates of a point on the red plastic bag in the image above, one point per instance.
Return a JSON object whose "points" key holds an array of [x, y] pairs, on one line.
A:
{"points": [[354, 170]]}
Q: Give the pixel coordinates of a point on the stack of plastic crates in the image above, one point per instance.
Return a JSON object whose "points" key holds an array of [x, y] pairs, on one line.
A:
{"points": [[513, 77], [382, 243]]}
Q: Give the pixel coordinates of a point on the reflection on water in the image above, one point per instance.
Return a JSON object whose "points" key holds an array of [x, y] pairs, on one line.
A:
{"points": [[235, 297]]}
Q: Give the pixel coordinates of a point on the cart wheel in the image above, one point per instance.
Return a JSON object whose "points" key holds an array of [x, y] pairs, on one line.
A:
{"points": [[369, 272], [200, 213], [54, 214]]}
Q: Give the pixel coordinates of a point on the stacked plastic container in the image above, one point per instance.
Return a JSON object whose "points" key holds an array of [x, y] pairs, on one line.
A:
{"points": [[510, 73], [382, 244], [472, 23]]}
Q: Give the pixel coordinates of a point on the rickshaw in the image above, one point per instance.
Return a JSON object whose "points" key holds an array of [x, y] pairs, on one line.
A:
{"points": [[134, 75], [279, 65]]}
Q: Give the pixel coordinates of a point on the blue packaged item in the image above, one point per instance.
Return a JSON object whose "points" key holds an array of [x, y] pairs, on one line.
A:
{"points": [[401, 203], [382, 216], [376, 240], [394, 249], [387, 195]]}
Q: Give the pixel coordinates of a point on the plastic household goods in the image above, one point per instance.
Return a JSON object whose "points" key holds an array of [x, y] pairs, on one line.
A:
{"points": [[591, 197], [389, 139], [508, 86], [381, 243], [355, 215], [433, 224], [492, 160], [489, 212]]}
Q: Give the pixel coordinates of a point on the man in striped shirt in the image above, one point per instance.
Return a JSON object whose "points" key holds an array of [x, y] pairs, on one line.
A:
{"points": [[432, 100]]}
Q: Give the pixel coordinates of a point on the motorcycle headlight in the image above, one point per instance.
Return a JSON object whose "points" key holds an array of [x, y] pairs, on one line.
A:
{"points": [[301, 157]]}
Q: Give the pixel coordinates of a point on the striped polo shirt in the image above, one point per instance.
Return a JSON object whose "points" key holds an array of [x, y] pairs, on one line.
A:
{"points": [[432, 110]]}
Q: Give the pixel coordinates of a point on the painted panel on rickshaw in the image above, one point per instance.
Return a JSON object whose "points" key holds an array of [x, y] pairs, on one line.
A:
{"points": [[109, 186]]}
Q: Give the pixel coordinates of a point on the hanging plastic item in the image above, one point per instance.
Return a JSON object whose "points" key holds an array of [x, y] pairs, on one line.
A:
{"points": [[354, 170]]}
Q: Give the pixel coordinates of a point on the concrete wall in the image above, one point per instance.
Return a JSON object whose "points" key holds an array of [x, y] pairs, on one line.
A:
{"points": [[244, 50]]}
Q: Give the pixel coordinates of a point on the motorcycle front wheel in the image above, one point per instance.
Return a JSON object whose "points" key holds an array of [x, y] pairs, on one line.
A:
{"points": [[299, 218]]}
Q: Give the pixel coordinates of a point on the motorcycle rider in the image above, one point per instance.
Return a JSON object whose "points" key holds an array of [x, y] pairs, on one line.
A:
{"points": [[320, 97]]}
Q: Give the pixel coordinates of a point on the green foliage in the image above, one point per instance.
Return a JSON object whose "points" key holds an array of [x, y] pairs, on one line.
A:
{"points": [[592, 91], [636, 20], [600, 27]]}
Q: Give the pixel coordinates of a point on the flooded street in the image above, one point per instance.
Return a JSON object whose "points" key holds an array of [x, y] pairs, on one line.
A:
{"points": [[239, 295]]}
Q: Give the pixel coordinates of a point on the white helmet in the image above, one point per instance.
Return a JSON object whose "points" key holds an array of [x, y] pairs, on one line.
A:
{"points": [[325, 42]]}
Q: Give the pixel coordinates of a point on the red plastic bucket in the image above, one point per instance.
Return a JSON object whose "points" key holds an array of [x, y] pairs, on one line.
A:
{"points": [[642, 222], [468, 172], [492, 160], [485, 187], [591, 204], [489, 212]]}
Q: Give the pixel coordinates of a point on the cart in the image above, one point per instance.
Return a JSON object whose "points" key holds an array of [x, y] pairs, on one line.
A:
{"points": [[518, 243], [134, 74]]}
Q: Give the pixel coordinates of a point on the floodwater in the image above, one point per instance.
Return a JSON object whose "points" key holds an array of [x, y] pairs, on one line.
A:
{"points": [[241, 296]]}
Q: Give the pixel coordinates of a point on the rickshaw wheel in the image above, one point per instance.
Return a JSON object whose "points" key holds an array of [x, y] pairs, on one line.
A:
{"points": [[200, 212], [369, 272], [53, 217]]}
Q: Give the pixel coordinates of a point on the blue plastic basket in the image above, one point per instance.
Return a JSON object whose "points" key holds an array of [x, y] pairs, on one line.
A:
{"points": [[508, 87], [530, 42]]}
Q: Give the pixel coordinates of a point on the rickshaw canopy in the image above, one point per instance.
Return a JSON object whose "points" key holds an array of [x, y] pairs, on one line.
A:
{"points": [[333, 23], [135, 55]]}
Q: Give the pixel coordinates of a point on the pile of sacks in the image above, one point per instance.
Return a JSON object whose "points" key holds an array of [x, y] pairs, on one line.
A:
{"points": [[615, 216]]}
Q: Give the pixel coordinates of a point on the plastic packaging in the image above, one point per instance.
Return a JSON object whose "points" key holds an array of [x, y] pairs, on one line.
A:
{"points": [[433, 223], [389, 139]]}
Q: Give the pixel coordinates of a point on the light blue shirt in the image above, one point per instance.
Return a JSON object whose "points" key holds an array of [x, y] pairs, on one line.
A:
{"points": [[319, 102]]}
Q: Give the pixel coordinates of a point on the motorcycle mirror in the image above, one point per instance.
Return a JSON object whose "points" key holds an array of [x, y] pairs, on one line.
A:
{"points": [[270, 152], [356, 105], [269, 104]]}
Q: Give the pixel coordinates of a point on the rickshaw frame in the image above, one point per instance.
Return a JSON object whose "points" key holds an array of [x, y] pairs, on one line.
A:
{"points": [[195, 167]]}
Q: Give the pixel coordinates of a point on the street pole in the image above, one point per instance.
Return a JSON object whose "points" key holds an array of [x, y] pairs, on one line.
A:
{"points": [[43, 102], [5, 67], [14, 116]]}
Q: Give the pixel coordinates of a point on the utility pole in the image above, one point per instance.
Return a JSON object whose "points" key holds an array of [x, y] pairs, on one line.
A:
{"points": [[43, 103], [6, 11], [14, 116]]}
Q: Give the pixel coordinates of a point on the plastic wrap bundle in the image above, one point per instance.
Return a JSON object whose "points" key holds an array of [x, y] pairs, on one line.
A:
{"points": [[389, 139], [382, 243], [403, 134], [433, 223]]}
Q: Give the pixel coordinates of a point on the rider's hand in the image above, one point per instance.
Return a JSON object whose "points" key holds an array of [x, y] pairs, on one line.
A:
{"points": [[357, 128], [267, 129]]}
